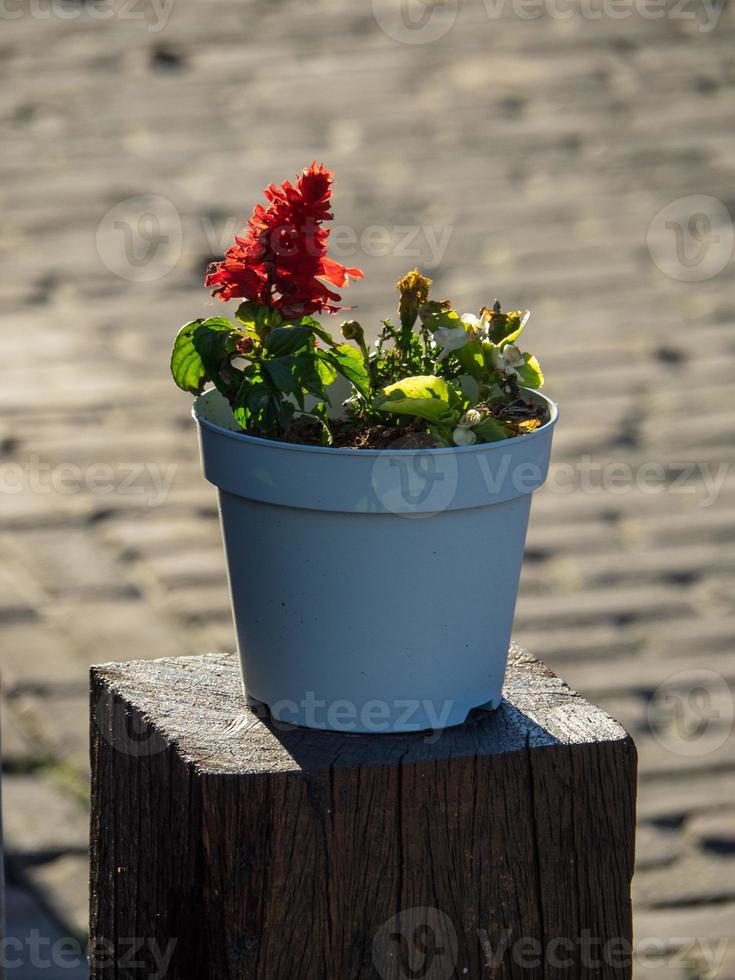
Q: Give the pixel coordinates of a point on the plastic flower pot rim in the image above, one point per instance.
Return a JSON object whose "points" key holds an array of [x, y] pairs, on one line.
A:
{"points": [[346, 450]]}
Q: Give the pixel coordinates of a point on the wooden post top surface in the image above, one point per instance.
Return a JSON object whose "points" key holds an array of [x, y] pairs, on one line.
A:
{"points": [[198, 705]]}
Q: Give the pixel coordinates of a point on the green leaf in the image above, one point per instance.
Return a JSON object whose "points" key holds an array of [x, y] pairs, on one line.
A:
{"points": [[490, 430], [470, 388], [261, 319], [530, 375], [317, 329], [425, 396], [350, 363], [325, 367], [186, 365], [215, 341], [471, 359], [218, 323], [199, 349], [295, 375], [242, 416], [280, 372], [506, 328], [432, 310], [321, 414], [250, 399], [489, 352], [287, 340], [261, 405], [518, 324], [440, 317]]}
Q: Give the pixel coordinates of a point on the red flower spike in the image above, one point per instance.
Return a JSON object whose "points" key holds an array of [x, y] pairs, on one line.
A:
{"points": [[282, 259]]}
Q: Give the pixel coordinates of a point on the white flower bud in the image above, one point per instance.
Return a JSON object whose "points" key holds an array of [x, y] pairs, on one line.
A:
{"points": [[463, 436], [471, 417]]}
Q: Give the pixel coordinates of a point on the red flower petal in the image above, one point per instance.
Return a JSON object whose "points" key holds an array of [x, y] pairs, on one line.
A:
{"points": [[340, 275], [283, 254]]}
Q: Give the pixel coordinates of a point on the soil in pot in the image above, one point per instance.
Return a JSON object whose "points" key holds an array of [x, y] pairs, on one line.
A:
{"points": [[521, 415]]}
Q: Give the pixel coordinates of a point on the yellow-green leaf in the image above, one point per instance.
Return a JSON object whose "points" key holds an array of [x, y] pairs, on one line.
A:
{"points": [[531, 375], [424, 396]]}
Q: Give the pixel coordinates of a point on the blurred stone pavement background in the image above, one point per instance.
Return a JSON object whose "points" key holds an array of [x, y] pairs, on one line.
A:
{"points": [[575, 159]]}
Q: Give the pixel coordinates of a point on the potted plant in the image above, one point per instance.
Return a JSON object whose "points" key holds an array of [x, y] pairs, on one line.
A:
{"points": [[374, 497]]}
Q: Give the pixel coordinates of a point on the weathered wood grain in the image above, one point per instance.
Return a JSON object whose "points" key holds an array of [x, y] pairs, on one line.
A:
{"points": [[283, 854]]}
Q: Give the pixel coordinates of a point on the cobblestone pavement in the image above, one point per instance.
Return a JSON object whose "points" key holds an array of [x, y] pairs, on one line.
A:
{"points": [[533, 155]]}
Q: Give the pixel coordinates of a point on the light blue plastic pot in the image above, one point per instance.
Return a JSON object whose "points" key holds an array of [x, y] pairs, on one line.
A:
{"points": [[372, 590]]}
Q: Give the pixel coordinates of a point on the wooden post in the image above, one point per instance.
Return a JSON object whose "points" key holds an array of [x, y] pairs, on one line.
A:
{"points": [[226, 847], [3, 924]]}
